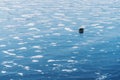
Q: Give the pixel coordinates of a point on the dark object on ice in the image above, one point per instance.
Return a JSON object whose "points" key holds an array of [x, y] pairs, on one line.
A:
{"points": [[81, 30]]}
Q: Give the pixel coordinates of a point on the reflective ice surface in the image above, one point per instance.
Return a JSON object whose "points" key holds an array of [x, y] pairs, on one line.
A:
{"points": [[39, 40]]}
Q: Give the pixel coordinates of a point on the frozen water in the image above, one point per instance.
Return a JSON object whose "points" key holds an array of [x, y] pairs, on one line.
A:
{"points": [[39, 40]]}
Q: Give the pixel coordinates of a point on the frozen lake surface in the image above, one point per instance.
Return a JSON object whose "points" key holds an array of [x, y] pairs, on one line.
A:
{"points": [[39, 40]]}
